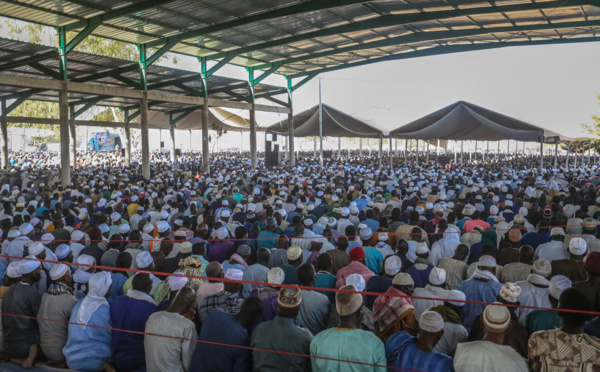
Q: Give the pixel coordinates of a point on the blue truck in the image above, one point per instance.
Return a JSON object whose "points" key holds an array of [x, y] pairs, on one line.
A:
{"points": [[104, 141]]}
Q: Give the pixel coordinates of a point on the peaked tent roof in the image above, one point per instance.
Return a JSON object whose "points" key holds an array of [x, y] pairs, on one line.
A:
{"points": [[335, 124], [216, 117], [466, 121]]}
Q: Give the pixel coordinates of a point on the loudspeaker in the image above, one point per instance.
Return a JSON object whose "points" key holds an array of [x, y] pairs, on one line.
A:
{"points": [[268, 146], [271, 159], [177, 152], [274, 137], [276, 148], [162, 144]]}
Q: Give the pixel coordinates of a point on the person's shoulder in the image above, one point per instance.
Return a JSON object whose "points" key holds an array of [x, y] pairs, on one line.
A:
{"points": [[399, 338]]}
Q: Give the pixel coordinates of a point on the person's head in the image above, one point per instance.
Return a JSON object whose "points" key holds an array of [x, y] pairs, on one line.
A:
{"points": [[402, 247], [358, 254], [558, 234], [60, 273], [123, 261], [487, 263], [348, 306], [250, 311], [199, 249], [234, 285], [496, 322], [31, 270], [574, 300], [13, 273], [184, 303], [288, 302], [437, 277], [404, 283], [324, 262], [263, 256], [144, 261], [214, 270], [306, 275], [510, 294], [294, 255], [526, 254], [577, 249], [558, 284], [461, 252], [416, 234], [142, 282], [100, 284], [431, 330], [342, 243], [455, 300]]}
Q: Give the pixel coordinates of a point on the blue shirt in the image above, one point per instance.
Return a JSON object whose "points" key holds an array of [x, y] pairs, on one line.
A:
{"points": [[477, 290], [374, 260], [372, 224], [224, 328], [410, 357], [420, 277], [325, 280], [88, 348], [128, 348], [534, 239], [118, 279], [593, 327]]}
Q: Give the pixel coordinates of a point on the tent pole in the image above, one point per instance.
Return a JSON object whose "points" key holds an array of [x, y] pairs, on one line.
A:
{"points": [[454, 151], [427, 158], [575, 155], [507, 148], [380, 150], [437, 150], [541, 150], [497, 152], [487, 151], [292, 155], [417, 151], [568, 150], [556, 155], [589, 153], [405, 148], [462, 146], [391, 155], [360, 144], [475, 155], [339, 147], [320, 127], [396, 144], [315, 150]]}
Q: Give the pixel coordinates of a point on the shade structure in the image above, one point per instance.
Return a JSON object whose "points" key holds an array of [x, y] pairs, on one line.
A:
{"points": [[217, 117], [466, 121], [335, 124]]}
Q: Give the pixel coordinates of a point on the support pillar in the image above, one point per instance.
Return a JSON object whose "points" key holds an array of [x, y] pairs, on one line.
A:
{"points": [[253, 135], [127, 139], [315, 148], [462, 147], [172, 132], [391, 155], [568, 151], [191, 142], [475, 150], [73, 137], [292, 155], [405, 149], [63, 104], [380, 151], [4, 130], [339, 147], [556, 155], [321, 128], [575, 156], [145, 136], [487, 151], [590, 153], [541, 152], [418, 152], [360, 145], [427, 157], [205, 150]]}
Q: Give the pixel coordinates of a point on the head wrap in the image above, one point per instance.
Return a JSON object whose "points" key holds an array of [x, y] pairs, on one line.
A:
{"points": [[47, 238], [234, 274], [99, 284], [577, 246], [538, 280], [487, 261], [357, 253], [177, 281], [162, 226], [144, 260], [29, 264], [456, 297], [25, 229], [36, 248], [437, 276], [592, 263], [185, 247]]}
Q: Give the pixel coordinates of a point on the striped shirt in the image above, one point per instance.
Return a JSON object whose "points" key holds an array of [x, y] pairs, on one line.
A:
{"points": [[456, 271]]}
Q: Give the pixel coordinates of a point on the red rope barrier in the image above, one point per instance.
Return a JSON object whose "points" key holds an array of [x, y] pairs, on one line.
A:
{"points": [[206, 278]]}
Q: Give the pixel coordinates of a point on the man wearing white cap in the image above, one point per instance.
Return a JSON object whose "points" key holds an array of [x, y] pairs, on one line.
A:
{"points": [[545, 320], [572, 267], [56, 304], [483, 286], [405, 351], [534, 292], [17, 246], [145, 262], [393, 311], [454, 331], [228, 299], [490, 354], [361, 346], [22, 335], [555, 249], [432, 291], [381, 283]]}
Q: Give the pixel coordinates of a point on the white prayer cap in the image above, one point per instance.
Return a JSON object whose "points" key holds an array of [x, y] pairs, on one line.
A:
{"points": [[345, 212], [557, 231], [62, 251], [177, 281], [14, 270], [36, 248], [47, 239], [510, 292], [558, 284], [58, 271], [275, 276], [431, 321], [85, 259], [493, 210], [234, 274], [496, 317], [542, 267], [251, 207], [348, 303], [538, 280], [392, 265], [162, 226], [357, 281], [300, 206], [25, 228], [222, 233], [577, 246], [508, 203], [143, 259], [310, 207], [422, 248], [437, 276], [185, 247], [14, 233], [523, 211], [486, 260], [164, 215], [29, 264], [77, 235], [403, 279], [115, 216], [148, 228], [456, 297], [104, 228], [382, 237], [124, 229], [366, 233], [308, 222], [225, 214], [179, 222]]}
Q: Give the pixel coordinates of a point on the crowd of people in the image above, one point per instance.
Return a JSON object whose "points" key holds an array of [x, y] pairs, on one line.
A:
{"points": [[425, 267]]}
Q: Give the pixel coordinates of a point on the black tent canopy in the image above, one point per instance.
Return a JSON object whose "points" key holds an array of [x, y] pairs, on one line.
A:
{"points": [[466, 121], [335, 124]]}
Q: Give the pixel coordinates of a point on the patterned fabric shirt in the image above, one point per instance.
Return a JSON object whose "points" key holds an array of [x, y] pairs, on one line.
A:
{"points": [[228, 302], [556, 350]]}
